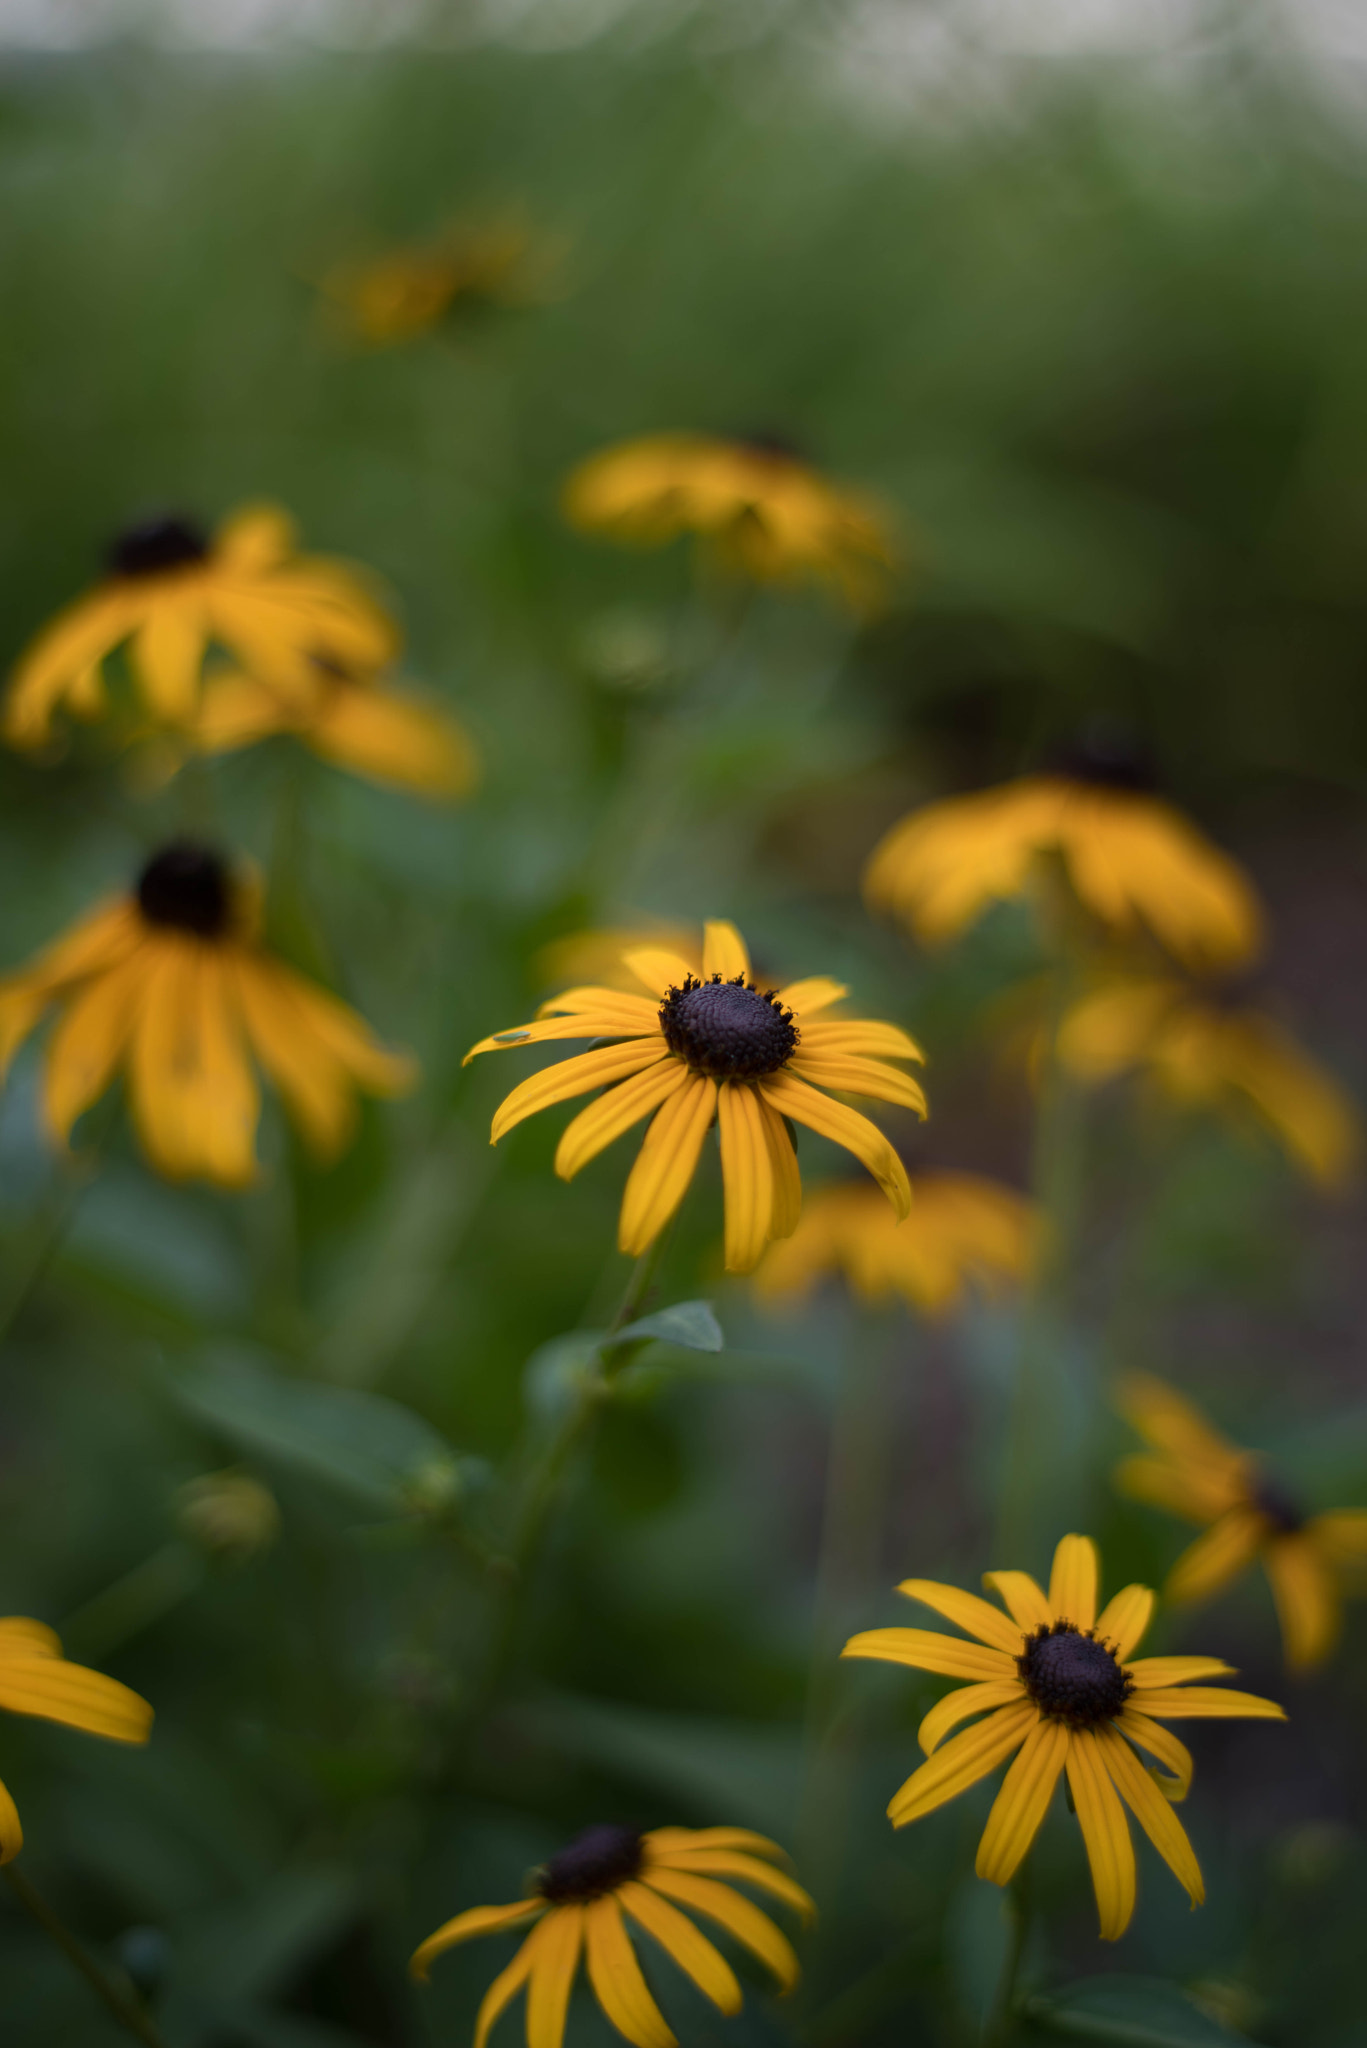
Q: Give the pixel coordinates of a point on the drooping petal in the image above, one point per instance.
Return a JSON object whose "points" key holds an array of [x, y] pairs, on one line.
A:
{"points": [[616, 1977], [88, 1042], [466, 1926], [1162, 1743], [967, 1611], [556, 1943], [312, 1082], [791, 1097], [925, 1649], [228, 1102], [1073, 1581], [11, 1833], [605, 1120], [561, 1083], [1148, 1672], [99, 940], [164, 1057], [1341, 1534], [1023, 1596], [396, 738], [26, 1638], [1153, 1812], [961, 1705], [1105, 1831], [853, 1075], [1218, 1555], [666, 1163], [167, 654], [1309, 1605], [961, 1762], [739, 1915], [1022, 1802], [724, 951], [1208, 1703], [692, 1951], [1123, 1620], [52, 1690], [733, 1863], [502, 1991], [787, 1176], [747, 1174]]}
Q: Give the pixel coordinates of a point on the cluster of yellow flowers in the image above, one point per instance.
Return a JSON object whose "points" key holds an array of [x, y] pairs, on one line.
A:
{"points": [[236, 638]]}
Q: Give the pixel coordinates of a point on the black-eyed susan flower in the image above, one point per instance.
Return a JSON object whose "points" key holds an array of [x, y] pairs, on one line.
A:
{"points": [[1192, 1471], [475, 264], [171, 592], [963, 1233], [1059, 1689], [1133, 860], [715, 1048], [761, 511], [36, 1679], [171, 984], [1211, 1055], [366, 726], [609, 1885]]}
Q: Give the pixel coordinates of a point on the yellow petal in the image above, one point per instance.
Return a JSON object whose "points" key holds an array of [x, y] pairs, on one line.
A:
{"points": [[466, 1926], [1227, 1548], [1022, 1802], [1309, 1606], [1123, 1620], [732, 1863], [88, 1043], [1208, 1702], [1110, 1852], [855, 1076], [1341, 1534], [605, 1120], [961, 1705], [737, 1914], [666, 1840], [724, 951], [817, 992], [793, 1098], [53, 1690], [616, 1977], [255, 537], [962, 1762], [657, 969], [11, 1834], [601, 1069], [503, 1990], [1162, 1743], [547, 1030], [312, 1082], [18, 1634], [665, 1164], [1028, 1607], [631, 1016], [979, 1617], [167, 653], [101, 939], [1148, 1672], [747, 1174], [61, 655], [858, 1035], [555, 1942], [692, 1951], [925, 1650], [394, 738], [1072, 1582], [1153, 1812], [786, 1174]]}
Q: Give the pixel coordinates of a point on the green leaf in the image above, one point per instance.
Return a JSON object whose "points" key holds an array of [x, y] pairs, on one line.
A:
{"points": [[689, 1324], [367, 1445], [1132, 2012]]}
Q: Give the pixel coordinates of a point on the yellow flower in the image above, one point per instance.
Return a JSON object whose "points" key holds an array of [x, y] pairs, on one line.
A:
{"points": [[407, 292], [962, 1231], [388, 735], [171, 593], [606, 1885], [716, 1048], [1212, 1056], [1132, 860], [36, 1679], [1060, 1685], [172, 984], [1195, 1473], [762, 510]]}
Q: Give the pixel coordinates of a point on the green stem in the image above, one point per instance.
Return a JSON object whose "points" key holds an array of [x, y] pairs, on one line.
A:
{"points": [[123, 2006], [141, 1597], [1002, 2021]]}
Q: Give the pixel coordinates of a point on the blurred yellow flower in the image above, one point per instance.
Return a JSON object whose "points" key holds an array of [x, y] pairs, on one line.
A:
{"points": [[229, 1513], [36, 1679], [172, 984], [387, 735], [1062, 1691], [762, 510], [406, 292], [598, 954], [1132, 860], [609, 1885], [1202, 1054], [962, 1232], [714, 1049], [1195, 1473], [171, 593]]}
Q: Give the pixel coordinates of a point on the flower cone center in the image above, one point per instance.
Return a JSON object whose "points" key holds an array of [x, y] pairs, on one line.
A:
{"points": [[1279, 1506], [186, 887], [729, 1030], [1072, 1677], [152, 545], [595, 1862]]}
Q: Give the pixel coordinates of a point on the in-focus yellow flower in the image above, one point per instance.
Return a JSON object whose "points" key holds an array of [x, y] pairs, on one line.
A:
{"points": [[171, 984], [1192, 1471], [1059, 1684], [609, 1884], [761, 510], [716, 1049], [1211, 1055], [171, 593], [1132, 860], [387, 735], [406, 292], [36, 1679], [963, 1232]]}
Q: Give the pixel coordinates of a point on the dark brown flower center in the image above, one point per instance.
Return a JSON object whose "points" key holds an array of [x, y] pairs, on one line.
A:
{"points": [[186, 887], [1108, 756], [1072, 1676], [778, 446], [1281, 1508], [164, 542], [595, 1862], [729, 1030]]}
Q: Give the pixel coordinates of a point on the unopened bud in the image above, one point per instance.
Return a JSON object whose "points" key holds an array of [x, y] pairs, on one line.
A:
{"points": [[229, 1513]]}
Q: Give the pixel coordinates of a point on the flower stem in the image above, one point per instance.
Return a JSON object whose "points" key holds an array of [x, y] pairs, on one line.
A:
{"points": [[1001, 2023], [123, 2006]]}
